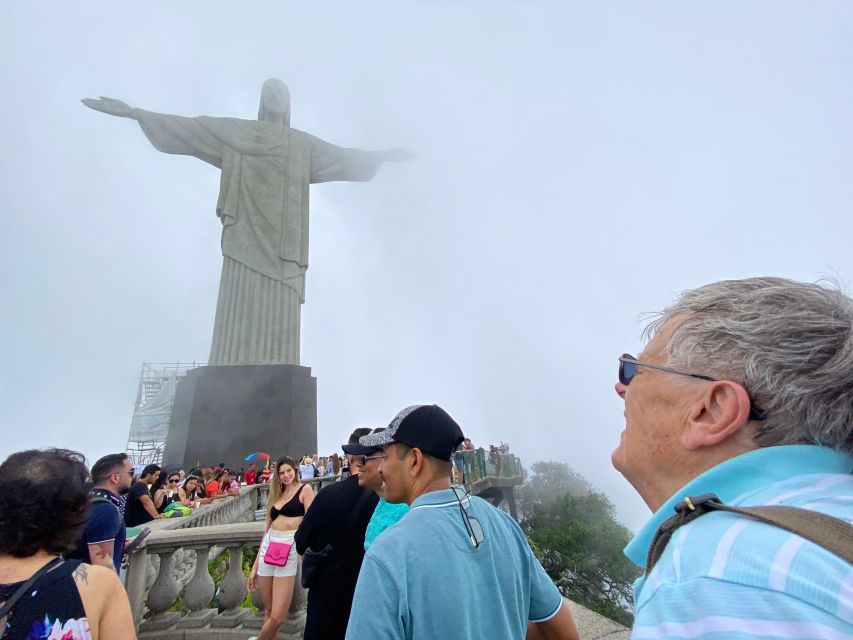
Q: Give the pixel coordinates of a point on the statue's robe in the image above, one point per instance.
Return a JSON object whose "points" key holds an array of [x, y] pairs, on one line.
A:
{"points": [[263, 205]]}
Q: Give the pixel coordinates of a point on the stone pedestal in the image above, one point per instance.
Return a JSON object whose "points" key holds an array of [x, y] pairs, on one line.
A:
{"points": [[224, 413]]}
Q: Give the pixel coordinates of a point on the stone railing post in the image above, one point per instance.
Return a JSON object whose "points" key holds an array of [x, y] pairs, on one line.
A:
{"points": [[255, 621], [232, 591], [198, 592], [135, 583], [163, 594]]}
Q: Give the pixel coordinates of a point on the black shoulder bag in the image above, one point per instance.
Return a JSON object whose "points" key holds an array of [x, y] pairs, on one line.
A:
{"points": [[312, 560]]}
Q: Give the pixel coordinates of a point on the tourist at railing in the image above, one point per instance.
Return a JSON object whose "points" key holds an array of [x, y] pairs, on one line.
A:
{"points": [[431, 575], [43, 508], [104, 534], [191, 494], [274, 569], [212, 487], [165, 490], [230, 484], [385, 514], [206, 476], [331, 539], [140, 507], [219, 486]]}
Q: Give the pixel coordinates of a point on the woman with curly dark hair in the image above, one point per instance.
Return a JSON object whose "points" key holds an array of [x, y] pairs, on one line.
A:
{"points": [[43, 506]]}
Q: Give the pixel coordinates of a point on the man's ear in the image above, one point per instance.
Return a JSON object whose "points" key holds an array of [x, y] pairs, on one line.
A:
{"points": [[417, 463], [717, 415]]}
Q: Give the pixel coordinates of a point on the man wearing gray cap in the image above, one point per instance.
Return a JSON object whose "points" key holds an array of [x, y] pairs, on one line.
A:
{"points": [[454, 566]]}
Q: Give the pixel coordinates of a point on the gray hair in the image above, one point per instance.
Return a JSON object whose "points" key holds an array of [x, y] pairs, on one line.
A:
{"points": [[789, 343]]}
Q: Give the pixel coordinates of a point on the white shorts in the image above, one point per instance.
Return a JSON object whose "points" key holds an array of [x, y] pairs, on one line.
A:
{"points": [[271, 570]]}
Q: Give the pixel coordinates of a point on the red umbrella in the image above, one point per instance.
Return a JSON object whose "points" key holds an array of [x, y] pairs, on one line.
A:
{"points": [[259, 455]]}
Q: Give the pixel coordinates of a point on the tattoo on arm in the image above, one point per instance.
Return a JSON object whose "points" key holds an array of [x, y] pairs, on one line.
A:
{"points": [[102, 553], [81, 573]]}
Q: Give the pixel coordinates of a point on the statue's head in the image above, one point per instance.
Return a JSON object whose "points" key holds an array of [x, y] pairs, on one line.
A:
{"points": [[275, 102]]}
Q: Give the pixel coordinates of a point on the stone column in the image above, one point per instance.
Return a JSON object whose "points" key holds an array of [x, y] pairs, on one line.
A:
{"points": [[198, 592], [162, 596], [233, 591]]}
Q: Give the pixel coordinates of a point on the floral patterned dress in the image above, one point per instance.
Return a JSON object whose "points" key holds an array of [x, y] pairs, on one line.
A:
{"points": [[51, 610]]}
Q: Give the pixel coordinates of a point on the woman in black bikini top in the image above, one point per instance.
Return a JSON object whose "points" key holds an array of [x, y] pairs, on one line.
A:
{"points": [[293, 508], [274, 570]]}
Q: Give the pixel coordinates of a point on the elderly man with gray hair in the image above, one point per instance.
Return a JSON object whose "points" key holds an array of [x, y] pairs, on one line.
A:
{"points": [[739, 408]]}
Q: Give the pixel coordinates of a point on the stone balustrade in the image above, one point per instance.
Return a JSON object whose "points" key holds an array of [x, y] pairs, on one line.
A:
{"points": [[152, 607], [168, 563], [223, 511]]}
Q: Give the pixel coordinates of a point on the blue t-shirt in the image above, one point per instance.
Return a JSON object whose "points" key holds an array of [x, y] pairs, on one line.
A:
{"points": [[384, 515], [104, 522], [423, 579]]}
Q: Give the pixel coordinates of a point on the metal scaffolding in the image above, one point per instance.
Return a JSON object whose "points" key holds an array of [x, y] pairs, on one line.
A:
{"points": [[152, 411]]}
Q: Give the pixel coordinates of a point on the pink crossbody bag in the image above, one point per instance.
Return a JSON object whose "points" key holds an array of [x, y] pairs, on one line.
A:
{"points": [[277, 553]]}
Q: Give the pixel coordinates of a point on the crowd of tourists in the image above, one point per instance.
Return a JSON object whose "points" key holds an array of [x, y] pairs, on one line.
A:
{"points": [[738, 436]]}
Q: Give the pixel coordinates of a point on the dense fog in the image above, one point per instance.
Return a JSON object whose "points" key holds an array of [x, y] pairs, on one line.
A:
{"points": [[578, 164]]}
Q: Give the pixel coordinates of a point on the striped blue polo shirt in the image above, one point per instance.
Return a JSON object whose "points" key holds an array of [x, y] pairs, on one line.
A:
{"points": [[728, 576]]}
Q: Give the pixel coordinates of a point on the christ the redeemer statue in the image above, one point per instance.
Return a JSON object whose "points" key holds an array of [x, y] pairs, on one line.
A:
{"points": [[266, 168]]}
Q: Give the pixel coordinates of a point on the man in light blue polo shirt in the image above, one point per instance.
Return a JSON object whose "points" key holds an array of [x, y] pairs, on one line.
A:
{"points": [[454, 566], [745, 391]]}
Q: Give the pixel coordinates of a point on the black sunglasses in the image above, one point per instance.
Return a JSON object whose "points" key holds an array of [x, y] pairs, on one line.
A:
{"points": [[628, 369]]}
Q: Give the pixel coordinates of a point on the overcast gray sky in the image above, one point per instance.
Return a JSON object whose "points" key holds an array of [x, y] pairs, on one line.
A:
{"points": [[579, 163]]}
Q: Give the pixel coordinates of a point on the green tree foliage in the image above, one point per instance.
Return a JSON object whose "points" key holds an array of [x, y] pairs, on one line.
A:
{"points": [[217, 568], [574, 533], [547, 482]]}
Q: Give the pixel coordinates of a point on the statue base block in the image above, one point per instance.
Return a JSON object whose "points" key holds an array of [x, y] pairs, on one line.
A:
{"points": [[225, 413]]}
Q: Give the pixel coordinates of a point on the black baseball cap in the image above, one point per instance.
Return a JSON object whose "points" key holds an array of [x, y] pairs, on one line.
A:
{"points": [[354, 448], [427, 427]]}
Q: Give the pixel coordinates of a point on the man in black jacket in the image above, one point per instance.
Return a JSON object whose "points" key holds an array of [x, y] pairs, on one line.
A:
{"points": [[328, 521]]}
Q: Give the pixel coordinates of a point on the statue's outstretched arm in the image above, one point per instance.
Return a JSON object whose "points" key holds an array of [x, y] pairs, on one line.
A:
{"points": [[397, 155], [111, 106], [168, 133]]}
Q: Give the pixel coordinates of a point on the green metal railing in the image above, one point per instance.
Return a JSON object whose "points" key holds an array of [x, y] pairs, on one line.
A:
{"points": [[479, 463]]}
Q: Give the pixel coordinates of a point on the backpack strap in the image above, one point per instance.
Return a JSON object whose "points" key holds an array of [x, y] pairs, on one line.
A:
{"points": [[833, 534], [95, 496]]}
